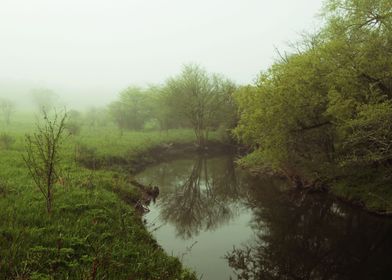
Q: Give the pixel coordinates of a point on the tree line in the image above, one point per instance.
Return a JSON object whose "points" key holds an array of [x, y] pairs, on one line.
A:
{"points": [[321, 112], [193, 99], [325, 110]]}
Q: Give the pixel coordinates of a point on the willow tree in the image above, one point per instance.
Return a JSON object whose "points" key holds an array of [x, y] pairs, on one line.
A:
{"points": [[200, 99]]}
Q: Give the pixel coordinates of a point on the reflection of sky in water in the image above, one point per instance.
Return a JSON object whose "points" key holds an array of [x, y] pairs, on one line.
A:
{"points": [[205, 208], [203, 253]]}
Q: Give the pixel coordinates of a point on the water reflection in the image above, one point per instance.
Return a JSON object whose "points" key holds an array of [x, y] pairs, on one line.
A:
{"points": [[201, 198], [311, 237], [252, 228]]}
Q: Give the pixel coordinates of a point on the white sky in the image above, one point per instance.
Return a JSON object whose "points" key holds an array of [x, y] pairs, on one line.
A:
{"points": [[109, 44]]}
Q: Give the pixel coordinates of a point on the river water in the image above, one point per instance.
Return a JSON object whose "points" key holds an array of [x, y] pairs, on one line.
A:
{"points": [[225, 224]]}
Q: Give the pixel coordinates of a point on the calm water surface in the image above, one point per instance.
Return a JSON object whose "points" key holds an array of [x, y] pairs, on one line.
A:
{"points": [[224, 224]]}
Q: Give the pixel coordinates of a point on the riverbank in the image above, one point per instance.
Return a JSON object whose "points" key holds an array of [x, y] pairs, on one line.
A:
{"points": [[128, 165], [365, 189], [368, 191], [93, 232]]}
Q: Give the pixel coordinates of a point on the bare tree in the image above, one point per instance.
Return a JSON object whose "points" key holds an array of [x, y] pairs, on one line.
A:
{"points": [[43, 154], [7, 107]]}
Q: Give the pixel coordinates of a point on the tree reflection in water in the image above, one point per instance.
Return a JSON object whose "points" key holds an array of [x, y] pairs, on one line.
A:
{"points": [[295, 236], [311, 237], [201, 199]]}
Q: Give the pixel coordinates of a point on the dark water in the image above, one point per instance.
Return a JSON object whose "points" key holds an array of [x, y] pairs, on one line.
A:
{"points": [[223, 223]]}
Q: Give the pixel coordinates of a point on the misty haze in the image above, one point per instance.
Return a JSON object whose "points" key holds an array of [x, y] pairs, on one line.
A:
{"points": [[195, 139]]}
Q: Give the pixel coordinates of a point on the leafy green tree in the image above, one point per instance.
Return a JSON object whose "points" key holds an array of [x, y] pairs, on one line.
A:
{"points": [[360, 95], [328, 104], [200, 99], [282, 117], [133, 109]]}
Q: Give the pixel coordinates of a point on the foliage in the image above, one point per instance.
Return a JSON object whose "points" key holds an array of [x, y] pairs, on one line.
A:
{"points": [[203, 100], [94, 117], [133, 109], [194, 99], [326, 108], [73, 128]]}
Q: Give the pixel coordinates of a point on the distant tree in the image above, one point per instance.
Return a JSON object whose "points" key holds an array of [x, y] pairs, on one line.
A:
{"points": [[95, 117], [44, 99], [74, 122], [118, 112], [7, 107], [200, 99], [133, 109], [91, 117], [73, 128], [43, 154], [74, 115]]}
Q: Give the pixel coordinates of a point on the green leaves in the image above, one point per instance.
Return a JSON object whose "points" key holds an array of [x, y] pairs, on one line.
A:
{"points": [[202, 100], [329, 103]]}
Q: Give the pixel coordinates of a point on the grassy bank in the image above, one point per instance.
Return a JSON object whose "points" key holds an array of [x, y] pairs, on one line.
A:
{"points": [[93, 231]]}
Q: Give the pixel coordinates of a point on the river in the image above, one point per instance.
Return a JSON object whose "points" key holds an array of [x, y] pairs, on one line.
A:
{"points": [[225, 224]]}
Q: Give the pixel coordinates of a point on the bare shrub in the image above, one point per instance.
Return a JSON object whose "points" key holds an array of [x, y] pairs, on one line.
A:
{"points": [[43, 154]]}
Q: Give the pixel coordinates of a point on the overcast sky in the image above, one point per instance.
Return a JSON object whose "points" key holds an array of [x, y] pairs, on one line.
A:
{"points": [[109, 44]]}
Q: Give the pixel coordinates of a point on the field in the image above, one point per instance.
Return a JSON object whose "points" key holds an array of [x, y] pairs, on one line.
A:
{"points": [[93, 232]]}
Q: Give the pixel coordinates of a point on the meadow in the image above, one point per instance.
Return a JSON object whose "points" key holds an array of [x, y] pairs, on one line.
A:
{"points": [[94, 231]]}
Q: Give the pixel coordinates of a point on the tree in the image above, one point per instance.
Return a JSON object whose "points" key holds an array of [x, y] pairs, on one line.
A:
{"points": [[43, 154], [200, 99], [283, 117], [360, 96], [134, 108], [327, 105], [7, 107], [93, 117]]}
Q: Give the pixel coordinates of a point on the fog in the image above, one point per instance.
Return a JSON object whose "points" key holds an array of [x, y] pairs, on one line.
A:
{"points": [[87, 51]]}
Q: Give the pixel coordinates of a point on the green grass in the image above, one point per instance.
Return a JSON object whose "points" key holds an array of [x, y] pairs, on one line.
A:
{"points": [[93, 231]]}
